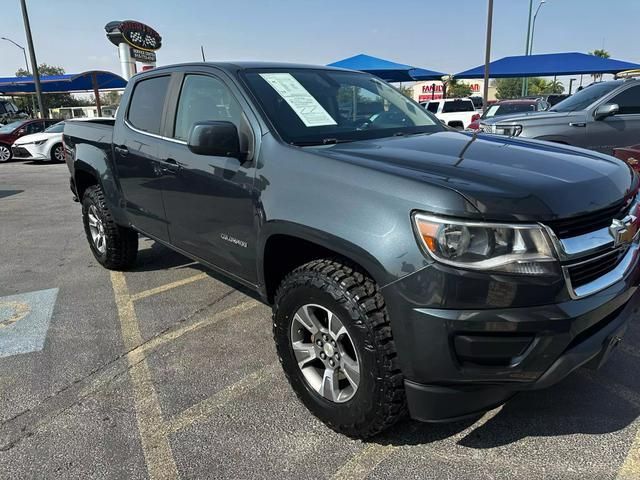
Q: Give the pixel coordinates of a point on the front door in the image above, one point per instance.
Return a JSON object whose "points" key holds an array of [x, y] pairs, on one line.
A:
{"points": [[136, 148], [621, 129], [209, 202]]}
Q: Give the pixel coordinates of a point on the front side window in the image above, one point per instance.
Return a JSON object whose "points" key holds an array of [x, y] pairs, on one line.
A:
{"points": [[433, 107], [628, 100], [147, 103], [202, 99], [35, 127], [458, 106], [314, 107]]}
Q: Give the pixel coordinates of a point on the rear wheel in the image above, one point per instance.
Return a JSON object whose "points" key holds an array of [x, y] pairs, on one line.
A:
{"points": [[335, 344], [57, 153], [115, 247], [5, 153]]}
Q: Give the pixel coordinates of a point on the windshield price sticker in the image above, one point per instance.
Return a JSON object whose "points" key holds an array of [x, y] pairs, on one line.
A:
{"points": [[299, 99]]}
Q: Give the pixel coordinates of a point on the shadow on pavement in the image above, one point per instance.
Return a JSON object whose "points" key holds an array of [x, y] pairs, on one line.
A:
{"points": [[158, 257]]}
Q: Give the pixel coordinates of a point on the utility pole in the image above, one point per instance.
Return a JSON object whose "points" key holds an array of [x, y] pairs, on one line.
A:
{"points": [[526, 46], [487, 54], [32, 55]]}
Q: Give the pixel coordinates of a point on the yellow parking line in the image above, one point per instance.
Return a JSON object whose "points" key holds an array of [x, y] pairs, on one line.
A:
{"points": [[174, 334], [155, 445], [363, 463], [630, 469], [168, 286], [205, 408]]}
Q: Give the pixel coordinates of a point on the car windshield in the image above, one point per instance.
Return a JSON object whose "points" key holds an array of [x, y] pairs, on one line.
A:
{"points": [[507, 108], [315, 107], [585, 97], [10, 127], [55, 128]]}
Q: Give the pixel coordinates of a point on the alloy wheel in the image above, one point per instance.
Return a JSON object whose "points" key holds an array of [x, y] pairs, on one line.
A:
{"points": [[5, 153], [96, 227], [325, 353], [58, 153]]}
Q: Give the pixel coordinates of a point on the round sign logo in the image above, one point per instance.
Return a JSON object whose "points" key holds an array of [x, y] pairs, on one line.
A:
{"points": [[140, 36]]}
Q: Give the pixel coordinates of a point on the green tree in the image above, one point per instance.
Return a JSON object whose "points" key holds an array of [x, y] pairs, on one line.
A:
{"points": [[602, 53], [540, 86], [508, 88], [50, 100], [456, 89]]}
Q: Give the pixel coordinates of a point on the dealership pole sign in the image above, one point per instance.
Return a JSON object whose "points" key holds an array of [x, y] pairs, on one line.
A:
{"points": [[136, 42]]}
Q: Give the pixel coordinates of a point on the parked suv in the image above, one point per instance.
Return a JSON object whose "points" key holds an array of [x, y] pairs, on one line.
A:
{"points": [[600, 117], [454, 112], [408, 265]]}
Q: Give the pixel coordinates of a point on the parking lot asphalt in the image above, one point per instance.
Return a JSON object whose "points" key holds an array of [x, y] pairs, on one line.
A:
{"points": [[169, 371]]}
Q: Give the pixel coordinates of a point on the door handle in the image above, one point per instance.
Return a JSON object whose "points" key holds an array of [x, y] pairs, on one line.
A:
{"points": [[577, 124], [122, 150], [169, 166]]}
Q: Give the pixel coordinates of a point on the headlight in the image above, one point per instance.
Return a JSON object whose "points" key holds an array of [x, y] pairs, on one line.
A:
{"points": [[509, 130], [39, 142], [523, 249]]}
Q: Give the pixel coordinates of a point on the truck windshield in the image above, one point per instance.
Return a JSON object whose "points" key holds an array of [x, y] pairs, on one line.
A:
{"points": [[315, 107], [585, 97]]}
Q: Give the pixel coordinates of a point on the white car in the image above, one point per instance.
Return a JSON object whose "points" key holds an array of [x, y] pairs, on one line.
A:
{"points": [[454, 112], [46, 146], [43, 146]]}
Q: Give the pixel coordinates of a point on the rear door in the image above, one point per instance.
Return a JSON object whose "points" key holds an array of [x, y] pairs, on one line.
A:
{"points": [[621, 129], [141, 174], [210, 202]]}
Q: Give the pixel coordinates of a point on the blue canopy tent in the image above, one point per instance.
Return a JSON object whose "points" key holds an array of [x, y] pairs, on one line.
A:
{"points": [[93, 80], [548, 65], [385, 69], [78, 82]]}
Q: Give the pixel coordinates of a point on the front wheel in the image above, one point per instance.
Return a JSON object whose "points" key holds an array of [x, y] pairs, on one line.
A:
{"points": [[115, 247], [57, 153], [335, 344], [5, 153]]}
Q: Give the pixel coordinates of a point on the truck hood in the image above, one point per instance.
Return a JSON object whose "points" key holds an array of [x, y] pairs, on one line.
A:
{"points": [[529, 116], [504, 178]]}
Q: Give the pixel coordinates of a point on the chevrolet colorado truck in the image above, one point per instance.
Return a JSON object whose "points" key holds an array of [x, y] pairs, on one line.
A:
{"points": [[409, 266]]}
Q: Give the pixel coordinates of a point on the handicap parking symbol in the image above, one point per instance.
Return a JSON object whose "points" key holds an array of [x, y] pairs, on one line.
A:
{"points": [[24, 321]]}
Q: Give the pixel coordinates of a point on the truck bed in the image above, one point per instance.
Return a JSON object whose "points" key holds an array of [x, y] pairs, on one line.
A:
{"points": [[83, 138]]}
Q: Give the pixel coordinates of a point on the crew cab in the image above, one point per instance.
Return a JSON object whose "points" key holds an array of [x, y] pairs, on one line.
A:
{"points": [[454, 112], [601, 117], [408, 265]]}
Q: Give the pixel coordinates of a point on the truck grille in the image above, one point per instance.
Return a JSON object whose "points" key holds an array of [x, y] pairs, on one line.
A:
{"points": [[19, 152], [590, 270], [579, 225]]}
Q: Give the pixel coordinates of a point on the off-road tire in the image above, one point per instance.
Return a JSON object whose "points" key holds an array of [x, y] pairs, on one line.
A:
{"points": [[121, 242], [352, 295]]}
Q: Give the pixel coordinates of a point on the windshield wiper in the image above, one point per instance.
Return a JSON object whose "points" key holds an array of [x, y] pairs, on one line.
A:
{"points": [[323, 141]]}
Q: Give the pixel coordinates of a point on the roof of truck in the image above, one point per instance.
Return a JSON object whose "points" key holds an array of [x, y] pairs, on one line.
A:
{"points": [[245, 65]]}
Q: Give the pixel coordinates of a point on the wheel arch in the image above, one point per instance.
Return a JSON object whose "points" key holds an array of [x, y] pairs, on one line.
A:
{"points": [[285, 246]]}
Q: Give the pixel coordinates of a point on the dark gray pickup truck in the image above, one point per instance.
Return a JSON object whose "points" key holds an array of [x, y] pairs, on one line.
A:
{"points": [[409, 266]]}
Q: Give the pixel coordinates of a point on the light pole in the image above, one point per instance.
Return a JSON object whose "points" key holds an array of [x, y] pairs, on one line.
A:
{"points": [[487, 54], [525, 83], [32, 55], [26, 64], [526, 45], [533, 25]]}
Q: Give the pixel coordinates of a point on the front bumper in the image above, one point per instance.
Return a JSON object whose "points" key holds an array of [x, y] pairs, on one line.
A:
{"points": [[28, 152], [459, 362]]}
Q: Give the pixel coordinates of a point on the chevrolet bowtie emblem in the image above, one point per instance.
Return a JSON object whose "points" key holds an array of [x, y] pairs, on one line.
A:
{"points": [[623, 231]]}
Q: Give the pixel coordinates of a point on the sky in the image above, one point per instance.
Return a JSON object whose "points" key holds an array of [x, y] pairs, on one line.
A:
{"points": [[447, 36]]}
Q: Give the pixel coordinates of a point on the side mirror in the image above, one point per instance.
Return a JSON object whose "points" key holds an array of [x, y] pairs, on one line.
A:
{"points": [[606, 110], [22, 131], [215, 138]]}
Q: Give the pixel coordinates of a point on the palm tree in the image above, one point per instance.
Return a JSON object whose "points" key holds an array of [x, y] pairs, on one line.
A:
{"points": [[602, 53]]}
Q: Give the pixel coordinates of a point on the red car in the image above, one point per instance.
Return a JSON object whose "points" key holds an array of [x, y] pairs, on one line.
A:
{"points": [[506, 107], [631, 155], [10, 132]]}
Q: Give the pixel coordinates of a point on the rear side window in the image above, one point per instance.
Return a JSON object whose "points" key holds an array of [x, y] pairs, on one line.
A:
{"points": [[458, 106], [628, 101], [433, 107], [147, 103]]}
